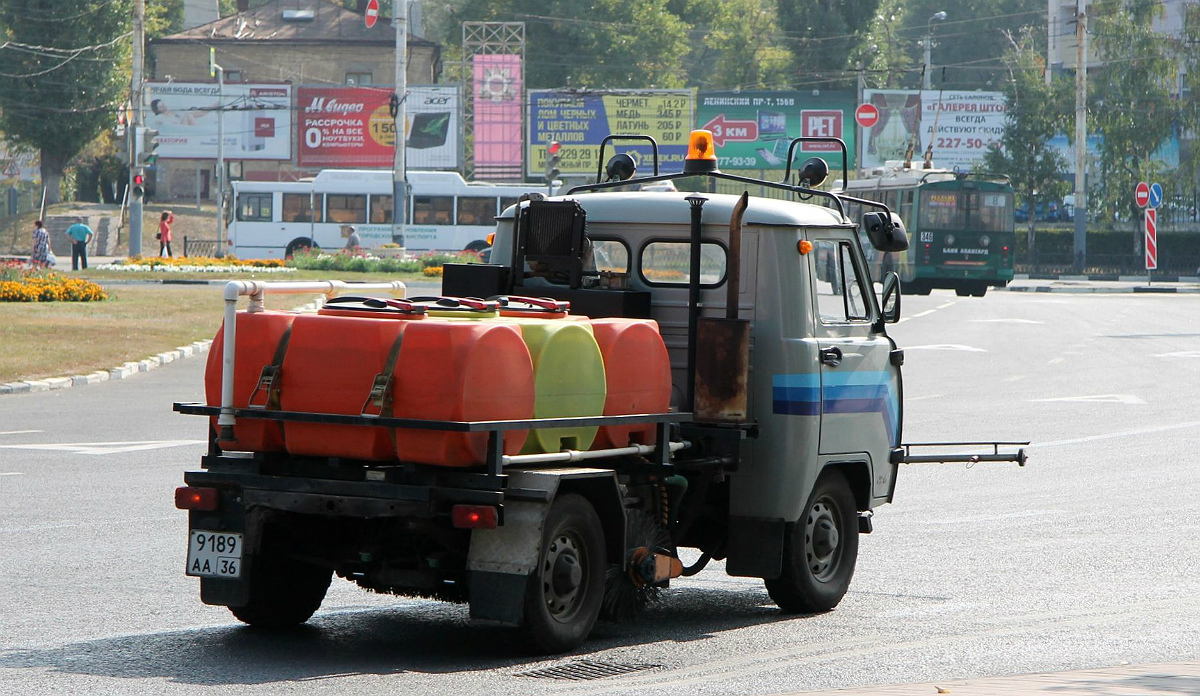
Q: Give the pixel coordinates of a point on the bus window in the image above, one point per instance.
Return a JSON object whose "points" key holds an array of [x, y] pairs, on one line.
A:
{"points": [[297, 207], [381, 209], [506, 201], [906, 206], [991, 212], [433, 210], [940, 210], [345, 209], [476, 211], [254, 207]]}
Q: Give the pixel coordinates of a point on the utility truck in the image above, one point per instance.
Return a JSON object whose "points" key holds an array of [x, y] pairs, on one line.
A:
{"points": [[635, 373]]}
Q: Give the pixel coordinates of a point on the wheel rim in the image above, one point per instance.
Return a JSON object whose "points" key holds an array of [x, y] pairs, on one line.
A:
{"points": [[564, 580], [823, 540]]}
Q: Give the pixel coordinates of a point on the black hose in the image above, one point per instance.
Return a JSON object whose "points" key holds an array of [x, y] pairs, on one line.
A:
{"points": [[697, 566]]}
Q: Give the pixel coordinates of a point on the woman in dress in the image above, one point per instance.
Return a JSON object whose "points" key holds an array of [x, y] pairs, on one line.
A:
{"points": [[164, 232], [41, 246]]}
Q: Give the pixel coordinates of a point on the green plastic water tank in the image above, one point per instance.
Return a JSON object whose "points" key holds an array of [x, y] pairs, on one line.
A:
{"points": [[568, 375]]}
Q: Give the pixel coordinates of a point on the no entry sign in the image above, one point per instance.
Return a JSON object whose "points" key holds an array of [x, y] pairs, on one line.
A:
{"points": [[866, 115], [372, 14], [1141, 194]]}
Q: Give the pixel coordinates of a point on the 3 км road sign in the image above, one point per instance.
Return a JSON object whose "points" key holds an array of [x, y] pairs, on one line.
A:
{"points": [[1151, 239]]}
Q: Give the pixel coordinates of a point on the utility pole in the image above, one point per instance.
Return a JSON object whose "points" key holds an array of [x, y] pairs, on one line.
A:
{"points": [[1080, 140], [400, 120], [220, 156], [133, 127]]}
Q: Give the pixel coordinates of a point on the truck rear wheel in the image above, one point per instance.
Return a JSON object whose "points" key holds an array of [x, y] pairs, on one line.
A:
{"points": [[563, 596], [820, 550], [284, 592]]}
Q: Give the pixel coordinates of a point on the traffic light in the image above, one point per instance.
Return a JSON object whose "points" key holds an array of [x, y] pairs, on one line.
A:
{"points": [[146, 144], [553, 158], [139, 186]]}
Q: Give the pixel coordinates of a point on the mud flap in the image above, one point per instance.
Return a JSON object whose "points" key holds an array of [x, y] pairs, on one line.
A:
{"points": [[501, 560], [755, 547]]}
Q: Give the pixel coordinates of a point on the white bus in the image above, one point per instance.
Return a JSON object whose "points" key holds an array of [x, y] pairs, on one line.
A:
{"points": [[446, 213]]}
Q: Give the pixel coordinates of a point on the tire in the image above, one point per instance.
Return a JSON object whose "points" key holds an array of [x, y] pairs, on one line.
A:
{"points": [[477, 246], [565, 590], [817, 568], [298, 244], [980, 290], [964, 292], [284, 592]]}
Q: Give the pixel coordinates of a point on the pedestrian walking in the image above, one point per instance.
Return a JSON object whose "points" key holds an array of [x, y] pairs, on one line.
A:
{"points": [[40, 258], [353, 241], [164, 232], [80, 235]]}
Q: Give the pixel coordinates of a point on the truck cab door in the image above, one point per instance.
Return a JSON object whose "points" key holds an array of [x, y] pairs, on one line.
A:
{"points": [[860, 387]]}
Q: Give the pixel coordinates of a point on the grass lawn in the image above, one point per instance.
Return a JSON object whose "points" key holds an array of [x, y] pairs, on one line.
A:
{"points": [[101, 276], [55, 339]]}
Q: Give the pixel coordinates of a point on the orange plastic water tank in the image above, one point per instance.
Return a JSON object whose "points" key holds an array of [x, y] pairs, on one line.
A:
{"points": [[261, 340], [637, 371], [461, 371], [332, 361]]}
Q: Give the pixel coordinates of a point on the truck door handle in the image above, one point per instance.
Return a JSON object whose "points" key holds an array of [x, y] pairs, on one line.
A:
{"points": [[831, 356]]}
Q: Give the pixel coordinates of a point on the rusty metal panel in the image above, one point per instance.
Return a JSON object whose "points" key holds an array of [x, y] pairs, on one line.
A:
{"points": [[722, 369]]}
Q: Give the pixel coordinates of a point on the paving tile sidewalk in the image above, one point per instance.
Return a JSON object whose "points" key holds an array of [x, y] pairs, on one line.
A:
{"points": [[1165, 679]]}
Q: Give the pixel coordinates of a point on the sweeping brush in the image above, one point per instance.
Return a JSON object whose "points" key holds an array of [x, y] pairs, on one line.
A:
{"points": [[624, 594]]}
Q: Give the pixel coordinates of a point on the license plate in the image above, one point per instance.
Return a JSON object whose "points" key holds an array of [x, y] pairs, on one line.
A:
{"points": [[214, 554]]}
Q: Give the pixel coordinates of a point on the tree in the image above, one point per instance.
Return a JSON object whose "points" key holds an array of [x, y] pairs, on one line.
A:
{"points": [[823, 36], [63, 78], [1035, 112], [1129, 104], [741, 49]]}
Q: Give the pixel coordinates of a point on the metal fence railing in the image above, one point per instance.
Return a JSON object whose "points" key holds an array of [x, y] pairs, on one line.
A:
{"points": [[1106, 264], [200, 247]]}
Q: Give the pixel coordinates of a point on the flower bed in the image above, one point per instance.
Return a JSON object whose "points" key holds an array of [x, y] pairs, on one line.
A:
{"points": [[317, 260], [185, 268], [39, 286], [203, 261]]}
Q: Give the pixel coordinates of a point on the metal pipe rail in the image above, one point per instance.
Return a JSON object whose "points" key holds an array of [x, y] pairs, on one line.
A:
{"points": [[256, 290], [904, 455]]}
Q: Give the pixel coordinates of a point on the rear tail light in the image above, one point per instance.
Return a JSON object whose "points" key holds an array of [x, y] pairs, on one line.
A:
{"points": [[474, 516], [189, 498]]}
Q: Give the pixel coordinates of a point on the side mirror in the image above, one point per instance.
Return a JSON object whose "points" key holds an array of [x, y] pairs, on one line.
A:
{"points": [[889, 303], [812, 173], [886, 233]]}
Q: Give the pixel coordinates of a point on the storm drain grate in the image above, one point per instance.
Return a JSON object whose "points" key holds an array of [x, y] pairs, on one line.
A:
{"points": [[584, 670]]}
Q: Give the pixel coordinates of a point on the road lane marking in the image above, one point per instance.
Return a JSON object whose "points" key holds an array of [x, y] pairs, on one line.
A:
{"points": [[1014, 378], [20, 432], [12, 473], [947, 346], [1179, 354], [101, 448], [922, 398], [1111, 436], [951, 302], [1098, 399], [1006, 321], [1056, 361], [926, 313]]}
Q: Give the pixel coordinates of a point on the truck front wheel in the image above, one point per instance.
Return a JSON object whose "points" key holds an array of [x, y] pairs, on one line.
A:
{"points": [[820, 550], [284, 592], [563, 596]]}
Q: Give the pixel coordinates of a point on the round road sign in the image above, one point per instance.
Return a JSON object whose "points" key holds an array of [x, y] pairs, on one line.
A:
{"points": [[1156, 195], [372, 14], [866, 115], [1141, 194]]}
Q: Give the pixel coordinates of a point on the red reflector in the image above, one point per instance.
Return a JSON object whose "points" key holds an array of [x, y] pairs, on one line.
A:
{"points": [[188, 498], [473, 516]]}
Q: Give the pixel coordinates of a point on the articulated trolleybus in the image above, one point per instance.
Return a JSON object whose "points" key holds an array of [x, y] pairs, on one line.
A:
{"points": [[273, 219], [962, 227]]}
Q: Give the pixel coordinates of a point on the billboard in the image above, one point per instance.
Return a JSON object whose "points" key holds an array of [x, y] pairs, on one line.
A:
{"points": [[497, 89], [257, 120], [960, 124], [580, 120], [351, 127], [753, 130]]}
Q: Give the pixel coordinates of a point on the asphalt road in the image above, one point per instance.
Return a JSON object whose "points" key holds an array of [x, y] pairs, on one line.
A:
{"points": [[1088, 557]]}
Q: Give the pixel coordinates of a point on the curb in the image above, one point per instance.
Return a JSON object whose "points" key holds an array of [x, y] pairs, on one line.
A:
{"points": [[1136, 289], [119, 372]]}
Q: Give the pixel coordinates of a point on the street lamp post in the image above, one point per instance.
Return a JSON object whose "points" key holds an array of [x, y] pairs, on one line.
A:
{"points": [[937, 17]]}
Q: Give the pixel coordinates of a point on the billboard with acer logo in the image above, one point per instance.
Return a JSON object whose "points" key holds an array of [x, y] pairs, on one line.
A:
{"points": [[351, 127]]}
